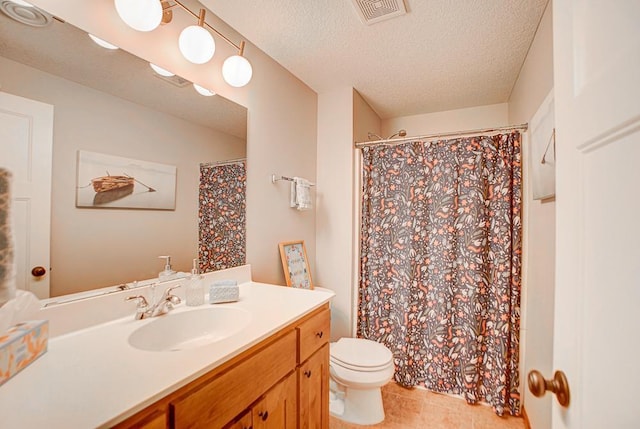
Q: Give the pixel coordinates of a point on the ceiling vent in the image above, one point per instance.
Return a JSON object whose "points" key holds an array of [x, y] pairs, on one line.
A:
{"points": [[25, 14], [176, 80], [372, 11]]}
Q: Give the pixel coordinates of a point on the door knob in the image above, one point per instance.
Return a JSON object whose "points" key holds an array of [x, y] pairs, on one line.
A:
{"points": [[38, 271], [558, 385]]}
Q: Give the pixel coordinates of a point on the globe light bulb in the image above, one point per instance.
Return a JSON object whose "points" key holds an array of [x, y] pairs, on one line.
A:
{"points": [[203, 91], [141, 15], [102, 43], [161, 71], [196, 44], [237, 71]]}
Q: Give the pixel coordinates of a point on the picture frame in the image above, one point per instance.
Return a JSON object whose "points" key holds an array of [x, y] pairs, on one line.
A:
{"points": [[114, 182], [295, 264]]}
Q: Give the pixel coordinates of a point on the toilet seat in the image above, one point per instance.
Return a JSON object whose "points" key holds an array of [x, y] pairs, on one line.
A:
{"points": [[361, 355]]}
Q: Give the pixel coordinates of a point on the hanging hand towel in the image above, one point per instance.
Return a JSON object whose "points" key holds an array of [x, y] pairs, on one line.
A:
{"points": [[301, 194], [7, 269]]}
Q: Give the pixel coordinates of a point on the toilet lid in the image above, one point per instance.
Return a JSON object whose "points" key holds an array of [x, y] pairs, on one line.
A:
{"points": [[358, 353]]}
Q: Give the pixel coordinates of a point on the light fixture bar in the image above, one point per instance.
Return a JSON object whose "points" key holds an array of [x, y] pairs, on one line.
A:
{"points": [[201, 17]]}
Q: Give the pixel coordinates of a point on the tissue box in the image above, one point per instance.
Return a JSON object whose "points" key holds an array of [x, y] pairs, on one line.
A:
{"points": [[223, 291], [21, 345]]}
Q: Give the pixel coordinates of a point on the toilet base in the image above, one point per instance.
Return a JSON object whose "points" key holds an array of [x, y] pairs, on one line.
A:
{"points": [[363, 407]]}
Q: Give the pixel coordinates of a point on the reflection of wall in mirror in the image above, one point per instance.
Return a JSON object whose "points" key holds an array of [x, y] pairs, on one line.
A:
{"points": [[98, 248]]}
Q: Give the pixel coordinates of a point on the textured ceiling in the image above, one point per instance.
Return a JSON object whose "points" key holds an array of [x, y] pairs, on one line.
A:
{"points": [[441, 55], [115, 72]]}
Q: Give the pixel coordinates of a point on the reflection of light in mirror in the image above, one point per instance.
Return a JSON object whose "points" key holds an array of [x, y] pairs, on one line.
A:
{"points": [[102, 43], [141, 15], [237, 71], [161, 71], [203, 91], [196, 44]]}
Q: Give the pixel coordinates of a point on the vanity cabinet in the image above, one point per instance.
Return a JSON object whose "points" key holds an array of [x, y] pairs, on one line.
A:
{"points": [[313, 371], [314, 390], [277, 409], [282, 382]]}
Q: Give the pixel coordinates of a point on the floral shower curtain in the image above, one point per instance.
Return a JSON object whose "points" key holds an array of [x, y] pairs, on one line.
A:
{"points": [[440, 264], [221, 216]]}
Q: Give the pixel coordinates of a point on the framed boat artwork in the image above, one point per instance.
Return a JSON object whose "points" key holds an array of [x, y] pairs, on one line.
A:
{"points": [[107, 181]]}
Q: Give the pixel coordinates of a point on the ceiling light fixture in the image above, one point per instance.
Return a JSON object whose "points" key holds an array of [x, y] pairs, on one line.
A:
{"points": [[102, 43], [196, 43], [141, 15], [237, 70], [161, 71], [203, 91]]}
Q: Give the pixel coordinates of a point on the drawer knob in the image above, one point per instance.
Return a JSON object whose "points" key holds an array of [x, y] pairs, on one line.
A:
{"points": [[307, 373], [264, 415], [319, 334]]}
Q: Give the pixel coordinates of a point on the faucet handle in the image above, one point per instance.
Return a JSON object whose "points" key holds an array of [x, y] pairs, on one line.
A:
{"points": [[142, 302], [173, 299]]}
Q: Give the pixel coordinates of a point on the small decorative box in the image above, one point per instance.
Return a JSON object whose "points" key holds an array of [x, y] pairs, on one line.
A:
{"points": [[223, 291], [21, 345]]}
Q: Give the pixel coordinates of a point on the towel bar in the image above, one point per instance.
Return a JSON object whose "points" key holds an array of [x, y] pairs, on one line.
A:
{"points": [[275, 178]]}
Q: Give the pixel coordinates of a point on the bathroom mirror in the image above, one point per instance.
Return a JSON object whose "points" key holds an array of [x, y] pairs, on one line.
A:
{"points": [[111, 102]]}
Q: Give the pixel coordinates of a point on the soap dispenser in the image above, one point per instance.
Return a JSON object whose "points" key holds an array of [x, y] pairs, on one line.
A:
{"points": [[195, 290], [167, 273]]}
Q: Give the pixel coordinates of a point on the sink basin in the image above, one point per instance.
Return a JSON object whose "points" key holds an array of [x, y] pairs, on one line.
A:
{"points": [[189, 329]]}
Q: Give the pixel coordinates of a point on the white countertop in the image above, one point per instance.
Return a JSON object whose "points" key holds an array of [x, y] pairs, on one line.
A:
{"points": [[92, 377]]}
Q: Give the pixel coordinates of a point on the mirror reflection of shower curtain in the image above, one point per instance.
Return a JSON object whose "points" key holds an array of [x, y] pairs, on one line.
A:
{"points": [[222, 215], [440, 264]]}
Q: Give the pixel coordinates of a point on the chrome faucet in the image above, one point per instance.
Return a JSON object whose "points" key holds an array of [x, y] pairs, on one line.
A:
{"points": [[163, 306]]}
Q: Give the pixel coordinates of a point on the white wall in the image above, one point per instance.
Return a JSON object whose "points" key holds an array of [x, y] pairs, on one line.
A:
{"points": [[343, 117], [472, 118], [533, 85], [94, 248], [282, 121], [334, 213]]}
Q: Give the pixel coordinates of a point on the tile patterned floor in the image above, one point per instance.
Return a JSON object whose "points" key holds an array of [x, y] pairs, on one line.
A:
{"points": [[421, 409]]}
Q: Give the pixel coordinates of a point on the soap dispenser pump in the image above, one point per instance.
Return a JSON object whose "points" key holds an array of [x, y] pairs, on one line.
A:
{"points": [[195, 290], [167, 273]]}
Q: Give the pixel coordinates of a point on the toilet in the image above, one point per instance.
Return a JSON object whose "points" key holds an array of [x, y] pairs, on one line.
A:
{"points": [[358, 369]]}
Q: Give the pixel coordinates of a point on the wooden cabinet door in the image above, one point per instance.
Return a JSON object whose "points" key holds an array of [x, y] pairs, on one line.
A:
{"points": [[314, 390], [244, 422], [278, 407]]}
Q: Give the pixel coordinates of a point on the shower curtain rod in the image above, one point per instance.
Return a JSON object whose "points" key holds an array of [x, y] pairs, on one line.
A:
{"points": [[226, 162], [360, 145]]}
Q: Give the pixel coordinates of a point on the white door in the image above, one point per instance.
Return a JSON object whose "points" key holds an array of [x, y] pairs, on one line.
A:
{"points": [[26, 143], [597, 313]]}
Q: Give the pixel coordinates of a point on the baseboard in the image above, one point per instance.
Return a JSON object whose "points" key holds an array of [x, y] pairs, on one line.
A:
{"points": [[525, 417]]}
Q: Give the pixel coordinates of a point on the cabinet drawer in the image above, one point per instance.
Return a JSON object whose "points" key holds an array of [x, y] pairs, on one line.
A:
{"points": [[156, 419], [313, 334], [222, 398]]}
